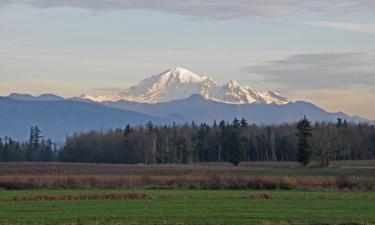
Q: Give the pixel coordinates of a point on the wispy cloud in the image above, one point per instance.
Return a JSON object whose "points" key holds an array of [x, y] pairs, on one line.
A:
{"points": [[354, 102], [335, 81], [320, 71], [216, 9], [355, 27]]}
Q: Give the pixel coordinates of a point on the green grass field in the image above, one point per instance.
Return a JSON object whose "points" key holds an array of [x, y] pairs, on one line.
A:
{"points": [[192, 207]]}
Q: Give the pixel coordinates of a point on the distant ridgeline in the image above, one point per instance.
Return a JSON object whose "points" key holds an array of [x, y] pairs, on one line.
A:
{"points": [[233, 142]]}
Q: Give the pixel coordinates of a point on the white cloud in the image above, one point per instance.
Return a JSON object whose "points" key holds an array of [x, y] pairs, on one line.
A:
{"points": [[217, 9], [355, 27]]}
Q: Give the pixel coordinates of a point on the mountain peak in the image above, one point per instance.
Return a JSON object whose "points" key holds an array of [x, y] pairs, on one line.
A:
{"points": [[180, 69], [182, 75], [179, 83], [233, 84]]}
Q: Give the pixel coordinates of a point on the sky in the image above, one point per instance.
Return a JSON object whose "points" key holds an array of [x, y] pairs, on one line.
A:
{"points": [[317, 51]]}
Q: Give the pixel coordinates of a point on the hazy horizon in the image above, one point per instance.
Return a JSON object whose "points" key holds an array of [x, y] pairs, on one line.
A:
{"points": [[322, 52]]}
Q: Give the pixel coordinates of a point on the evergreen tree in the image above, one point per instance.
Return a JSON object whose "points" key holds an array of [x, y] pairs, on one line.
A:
{"points": [[7, 142], [149, 126], [37, 137], [31, 145], [304, 134], [234, 147], [244, 123], [1, 150], [127, 130], [201, 143], [339, 123], [236, 123]]}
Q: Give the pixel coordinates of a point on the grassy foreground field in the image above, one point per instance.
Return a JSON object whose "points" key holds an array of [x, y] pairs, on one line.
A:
{"points": [[265, 193], [188, 207]]}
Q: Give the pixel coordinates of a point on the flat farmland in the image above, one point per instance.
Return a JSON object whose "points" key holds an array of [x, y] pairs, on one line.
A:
{"points": [[265, 193]]}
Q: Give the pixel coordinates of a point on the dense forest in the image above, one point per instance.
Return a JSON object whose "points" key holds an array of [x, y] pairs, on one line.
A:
{"points": [[233, 142]]}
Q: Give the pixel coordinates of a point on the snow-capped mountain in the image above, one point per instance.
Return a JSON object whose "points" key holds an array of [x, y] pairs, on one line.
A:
{"points": [[179, 83]]}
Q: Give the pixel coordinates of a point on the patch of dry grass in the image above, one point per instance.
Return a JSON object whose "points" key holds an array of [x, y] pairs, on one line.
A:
{"points": [[20, 182]]}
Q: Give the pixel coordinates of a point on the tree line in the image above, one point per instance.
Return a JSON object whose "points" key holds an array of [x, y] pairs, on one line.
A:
{"points": [[35, 149], [234, 142]]}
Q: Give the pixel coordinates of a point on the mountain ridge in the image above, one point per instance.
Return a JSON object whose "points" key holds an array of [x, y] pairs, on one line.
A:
{"points": [[197, 108], [28, 97]]}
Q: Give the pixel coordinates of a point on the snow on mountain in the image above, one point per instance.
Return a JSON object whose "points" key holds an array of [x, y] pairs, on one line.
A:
{"points": [[173, 84], [179, 83], [235, 93], [97, 98]]}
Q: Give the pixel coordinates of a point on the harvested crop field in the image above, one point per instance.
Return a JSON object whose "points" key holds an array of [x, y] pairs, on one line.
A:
{"points": [[279, 175]]}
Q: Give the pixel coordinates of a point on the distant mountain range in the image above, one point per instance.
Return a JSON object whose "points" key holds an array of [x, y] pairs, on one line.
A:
{"points": [[197, 108], [57, 119], [176, 95]]}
